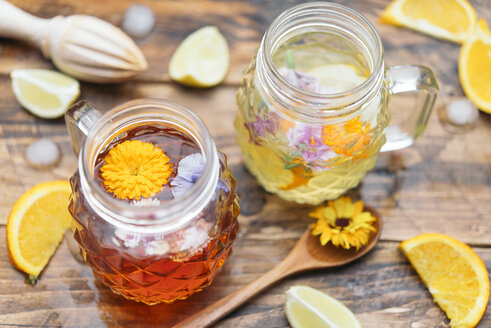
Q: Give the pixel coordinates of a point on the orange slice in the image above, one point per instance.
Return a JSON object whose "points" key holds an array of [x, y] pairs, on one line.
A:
{"points": [[475, 67], [36, 225], [453, 20], [454, 274]]}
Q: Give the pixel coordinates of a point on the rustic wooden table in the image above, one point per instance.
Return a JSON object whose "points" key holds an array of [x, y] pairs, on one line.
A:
{"points": [[442, 184]]}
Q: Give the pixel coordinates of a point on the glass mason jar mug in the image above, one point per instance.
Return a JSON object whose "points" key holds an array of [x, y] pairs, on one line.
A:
{"points": [[154, 204], [313, 104]]}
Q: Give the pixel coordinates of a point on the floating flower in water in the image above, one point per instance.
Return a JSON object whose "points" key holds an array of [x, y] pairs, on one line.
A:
{"points": [[135, 169], [260, 126], [307, 140], [157, 247], [127, 239], [145, 202], [343, 223], [189, 170], [195, 238], [349, 139]]}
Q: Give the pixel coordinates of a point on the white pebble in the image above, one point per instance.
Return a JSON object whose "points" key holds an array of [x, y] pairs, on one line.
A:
{"points": [[42, 153], [138, 21], [462, 112]]}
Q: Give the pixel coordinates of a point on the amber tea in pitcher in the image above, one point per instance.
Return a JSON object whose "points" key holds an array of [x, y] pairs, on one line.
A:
{"points": [[153, 201]]}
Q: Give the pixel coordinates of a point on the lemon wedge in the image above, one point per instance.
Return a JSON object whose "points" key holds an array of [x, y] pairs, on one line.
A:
{"points": [[307, 307], [44, 93], [201, 60], [337, 77]]}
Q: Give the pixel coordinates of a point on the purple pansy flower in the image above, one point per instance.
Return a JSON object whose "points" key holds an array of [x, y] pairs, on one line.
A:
{"points": [[260, 126], [303, 81], [189, 170], [307, 140]]}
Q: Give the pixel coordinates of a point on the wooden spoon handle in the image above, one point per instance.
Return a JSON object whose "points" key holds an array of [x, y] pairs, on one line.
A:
{"points": [[17, 24], [218, 310]]}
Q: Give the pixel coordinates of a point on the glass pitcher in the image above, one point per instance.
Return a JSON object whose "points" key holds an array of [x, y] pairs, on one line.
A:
{"points": [[313, 104], [155, 245]]}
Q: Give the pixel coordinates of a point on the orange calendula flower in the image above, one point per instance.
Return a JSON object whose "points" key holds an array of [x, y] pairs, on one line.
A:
{"points": [[349, 139], [135, 169], [343, 223]]}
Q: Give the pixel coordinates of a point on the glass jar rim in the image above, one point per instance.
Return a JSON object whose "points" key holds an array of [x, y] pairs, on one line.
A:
{"points": [[171, 214], [361, 93]]}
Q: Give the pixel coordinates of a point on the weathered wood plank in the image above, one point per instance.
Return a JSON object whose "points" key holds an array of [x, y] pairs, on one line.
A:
{"points": [[243, 23], [442, 183], [379, 288]]}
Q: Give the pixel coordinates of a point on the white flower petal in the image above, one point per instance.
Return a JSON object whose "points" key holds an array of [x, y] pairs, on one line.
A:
{"points": [[145, 202], [190, 165]]}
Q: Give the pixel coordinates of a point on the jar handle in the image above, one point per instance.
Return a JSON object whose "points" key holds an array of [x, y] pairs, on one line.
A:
{"points": [[79, 118], [410, 78]]}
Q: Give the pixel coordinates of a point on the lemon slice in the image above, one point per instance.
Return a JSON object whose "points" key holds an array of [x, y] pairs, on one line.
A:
{"points": [[201, 60], [453, 20], [337, 77], [36, 225], [307, 307], [475, 67], [44, 93]]}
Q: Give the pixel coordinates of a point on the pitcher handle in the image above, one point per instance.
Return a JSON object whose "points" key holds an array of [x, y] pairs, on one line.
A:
{"points": [[407, 78], [79, 118]]}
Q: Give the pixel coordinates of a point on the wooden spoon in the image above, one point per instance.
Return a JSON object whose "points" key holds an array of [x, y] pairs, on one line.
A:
{"points": [[308, 254], [83, 46]]}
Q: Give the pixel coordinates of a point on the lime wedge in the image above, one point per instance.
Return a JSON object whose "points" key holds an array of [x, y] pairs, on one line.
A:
{"points": [[201, 60], [307, 307], [44, 93]]}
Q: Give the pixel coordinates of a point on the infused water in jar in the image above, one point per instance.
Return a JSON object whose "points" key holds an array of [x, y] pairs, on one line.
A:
{"points": [[154, 204], [313, 105]]}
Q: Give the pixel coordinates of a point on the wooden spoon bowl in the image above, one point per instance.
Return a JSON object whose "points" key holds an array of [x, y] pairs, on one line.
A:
{"points": [[308, 254]]}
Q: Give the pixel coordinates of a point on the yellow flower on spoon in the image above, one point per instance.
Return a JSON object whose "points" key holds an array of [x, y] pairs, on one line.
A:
{"points": [[343, 223]]}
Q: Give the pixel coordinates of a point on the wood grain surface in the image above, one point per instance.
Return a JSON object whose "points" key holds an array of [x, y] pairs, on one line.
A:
{"points": [[441, 184]]}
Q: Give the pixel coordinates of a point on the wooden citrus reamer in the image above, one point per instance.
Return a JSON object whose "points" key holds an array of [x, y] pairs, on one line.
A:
{"points": [[85, 47]]}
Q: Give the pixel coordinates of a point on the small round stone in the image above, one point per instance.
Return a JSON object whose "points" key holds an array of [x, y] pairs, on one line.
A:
{"points": [[138, 20], [42, 153]]}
